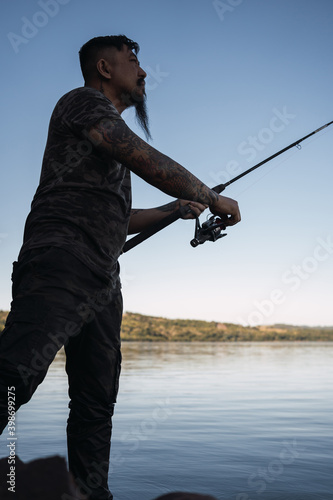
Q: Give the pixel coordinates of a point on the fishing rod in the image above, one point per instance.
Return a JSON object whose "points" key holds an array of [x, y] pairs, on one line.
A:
{"points": [[211, 230]]}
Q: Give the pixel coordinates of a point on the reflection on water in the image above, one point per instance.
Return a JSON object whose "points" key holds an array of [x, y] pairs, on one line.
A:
{"points": [[243, 421]]}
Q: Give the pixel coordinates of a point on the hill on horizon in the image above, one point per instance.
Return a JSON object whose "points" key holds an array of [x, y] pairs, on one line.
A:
{"points": [[153, 328]]}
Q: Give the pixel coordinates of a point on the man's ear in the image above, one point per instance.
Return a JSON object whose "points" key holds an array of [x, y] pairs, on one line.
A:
{"points": [[104, 68]]}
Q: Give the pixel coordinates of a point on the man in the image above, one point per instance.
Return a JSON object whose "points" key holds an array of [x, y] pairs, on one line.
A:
{"points": [[66, 288]]}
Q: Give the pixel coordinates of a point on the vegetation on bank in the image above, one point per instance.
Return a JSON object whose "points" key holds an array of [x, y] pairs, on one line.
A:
{"points": [[138, 327], [3, 316]]}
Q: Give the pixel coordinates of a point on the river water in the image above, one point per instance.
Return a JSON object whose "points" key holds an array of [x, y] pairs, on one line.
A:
{"points": [[240, 421]]}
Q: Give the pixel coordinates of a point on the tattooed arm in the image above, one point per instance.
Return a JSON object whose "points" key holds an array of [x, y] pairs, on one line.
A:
{"points": [[142, 218], [115, 139]]}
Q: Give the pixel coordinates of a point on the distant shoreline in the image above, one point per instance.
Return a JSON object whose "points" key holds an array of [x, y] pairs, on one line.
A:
{"points": [[138, 327]]}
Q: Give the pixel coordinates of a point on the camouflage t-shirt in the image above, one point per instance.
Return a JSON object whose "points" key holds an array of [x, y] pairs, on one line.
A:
{"points": [[83, 200]]}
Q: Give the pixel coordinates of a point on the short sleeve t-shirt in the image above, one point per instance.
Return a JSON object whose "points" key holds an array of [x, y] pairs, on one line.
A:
{"points": [[83, 200]]}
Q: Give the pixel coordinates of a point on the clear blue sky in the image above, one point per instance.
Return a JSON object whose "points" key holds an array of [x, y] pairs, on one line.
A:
{"points": [[229, 84]]}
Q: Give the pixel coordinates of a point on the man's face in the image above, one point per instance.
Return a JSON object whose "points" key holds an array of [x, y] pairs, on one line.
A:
{"points": [[128, 78]]}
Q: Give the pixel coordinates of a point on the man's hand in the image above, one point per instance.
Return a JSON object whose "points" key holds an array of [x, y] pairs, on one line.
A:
{"points": [[195, 207], [227, 210]]}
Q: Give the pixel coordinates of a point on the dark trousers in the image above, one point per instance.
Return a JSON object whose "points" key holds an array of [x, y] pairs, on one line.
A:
{"points": [[58, 301]]}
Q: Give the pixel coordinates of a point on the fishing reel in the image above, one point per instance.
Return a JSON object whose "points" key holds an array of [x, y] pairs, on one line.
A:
{"points": [[209, 231]]}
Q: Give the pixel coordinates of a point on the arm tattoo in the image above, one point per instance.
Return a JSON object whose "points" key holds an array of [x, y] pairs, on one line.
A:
{"points": [[115, 139], [169, 207], [135, 211]]}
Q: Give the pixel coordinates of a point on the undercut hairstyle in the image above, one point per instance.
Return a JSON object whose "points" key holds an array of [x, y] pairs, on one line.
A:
{"points": [[92, 51]]}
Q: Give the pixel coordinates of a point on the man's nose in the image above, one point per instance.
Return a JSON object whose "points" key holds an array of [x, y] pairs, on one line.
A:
{"points": [[142, 73]]}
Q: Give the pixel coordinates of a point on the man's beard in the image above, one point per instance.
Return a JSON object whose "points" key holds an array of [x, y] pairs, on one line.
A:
{"points": [[138, 100], [141, 115]]}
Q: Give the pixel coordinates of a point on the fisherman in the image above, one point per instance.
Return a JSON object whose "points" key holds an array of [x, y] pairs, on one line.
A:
{"points": [[66, 287]]}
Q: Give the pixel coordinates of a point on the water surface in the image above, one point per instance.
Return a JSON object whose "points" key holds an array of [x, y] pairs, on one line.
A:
{"points": [[241, 421]]}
